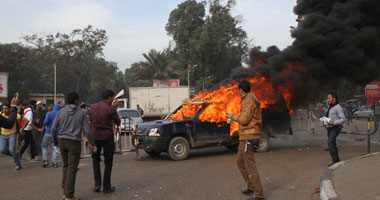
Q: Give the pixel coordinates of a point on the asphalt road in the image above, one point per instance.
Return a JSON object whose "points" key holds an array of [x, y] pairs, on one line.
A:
{"points": [[290, 170]]}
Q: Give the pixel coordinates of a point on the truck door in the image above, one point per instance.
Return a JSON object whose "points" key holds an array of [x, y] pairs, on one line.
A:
{"points": [[208, 132]]}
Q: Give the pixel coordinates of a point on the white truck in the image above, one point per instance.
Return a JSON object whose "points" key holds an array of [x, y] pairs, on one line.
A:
{"points": [[157, 102]]}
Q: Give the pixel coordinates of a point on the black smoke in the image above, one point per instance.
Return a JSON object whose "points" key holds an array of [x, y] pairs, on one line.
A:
{"points": [[335, 41]]}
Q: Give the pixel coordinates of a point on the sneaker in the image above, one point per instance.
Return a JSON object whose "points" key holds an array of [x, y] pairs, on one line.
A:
{"points": [[17, 168], [55, 165], [96, 189], [45, 163], [111, 189], [247, 192]]}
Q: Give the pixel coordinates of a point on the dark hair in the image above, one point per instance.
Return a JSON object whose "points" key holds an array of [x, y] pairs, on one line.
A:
{"points": [[71, 97], [7, 105], [83, 106], [32, 102], [245, 86], [334, 95], [107, 94], [24, 104]]}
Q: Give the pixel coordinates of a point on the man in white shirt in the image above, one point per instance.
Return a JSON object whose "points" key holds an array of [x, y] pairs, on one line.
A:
{"points": [[26, 130]]}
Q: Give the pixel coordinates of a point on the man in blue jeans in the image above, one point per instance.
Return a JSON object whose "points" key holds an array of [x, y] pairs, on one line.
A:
{"points": [[48, 138], [336, 114], [8, 138]]}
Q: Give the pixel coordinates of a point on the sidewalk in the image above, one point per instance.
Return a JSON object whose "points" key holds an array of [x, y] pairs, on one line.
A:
{"points": [[358, 178]]}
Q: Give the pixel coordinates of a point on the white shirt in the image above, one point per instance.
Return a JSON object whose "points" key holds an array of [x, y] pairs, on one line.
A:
{"points": [[29, 117]]}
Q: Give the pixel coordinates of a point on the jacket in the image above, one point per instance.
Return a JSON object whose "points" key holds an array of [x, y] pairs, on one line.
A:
{"points": [[49, 119], [10, 121], [71, 121], [250, 118]]}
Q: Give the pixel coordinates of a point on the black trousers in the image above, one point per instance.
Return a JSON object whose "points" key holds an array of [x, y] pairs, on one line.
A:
{"points": [[108, 146], [332, 134], [28, 139]]}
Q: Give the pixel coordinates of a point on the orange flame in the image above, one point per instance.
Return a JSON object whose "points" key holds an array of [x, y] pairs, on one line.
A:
{"points": [[227, 99]]}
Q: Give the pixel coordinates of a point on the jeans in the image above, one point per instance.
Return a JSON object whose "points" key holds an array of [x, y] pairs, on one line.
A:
{"points": [[70, 153], [10, 141], [109, 148], [46, 141], [332, 134], [28, 137]]}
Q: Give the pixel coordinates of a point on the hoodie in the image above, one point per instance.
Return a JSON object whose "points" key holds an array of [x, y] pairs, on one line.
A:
{"points": [[49, 119], [71, 120]]}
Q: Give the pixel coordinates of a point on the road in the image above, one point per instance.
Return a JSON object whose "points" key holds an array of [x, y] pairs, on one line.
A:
{"points": [[290, 170]]}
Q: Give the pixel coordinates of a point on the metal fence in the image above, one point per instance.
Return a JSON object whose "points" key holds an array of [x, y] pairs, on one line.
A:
{"points": [[303, 120]]}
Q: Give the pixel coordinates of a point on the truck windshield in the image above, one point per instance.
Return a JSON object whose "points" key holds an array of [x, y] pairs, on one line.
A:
{"points": [[128, 113], [186, 111]]}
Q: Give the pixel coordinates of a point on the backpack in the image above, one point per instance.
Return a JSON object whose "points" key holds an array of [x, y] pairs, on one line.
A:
{"points": [[20, 122]]}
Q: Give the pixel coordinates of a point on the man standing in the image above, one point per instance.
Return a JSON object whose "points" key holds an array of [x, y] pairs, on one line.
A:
{"points": [[140, 110], [250, 124], [8, 138], [336, 114], [38, 121], [102, 116], [71, 121], [48, 139]]}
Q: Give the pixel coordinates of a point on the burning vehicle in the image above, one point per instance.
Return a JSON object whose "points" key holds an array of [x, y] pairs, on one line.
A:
{"points": [[201, 122]]}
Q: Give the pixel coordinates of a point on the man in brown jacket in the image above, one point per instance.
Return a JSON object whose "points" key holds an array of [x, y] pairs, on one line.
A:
{"points": [[250, 123]]}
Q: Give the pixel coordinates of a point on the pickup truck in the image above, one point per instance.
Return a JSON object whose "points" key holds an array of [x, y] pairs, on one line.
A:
{"points": [[177, 137]]}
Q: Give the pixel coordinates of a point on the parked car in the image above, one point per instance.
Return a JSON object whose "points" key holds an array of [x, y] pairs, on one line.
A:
{"points": [[366, 111], [129, 119], [177, 137]]}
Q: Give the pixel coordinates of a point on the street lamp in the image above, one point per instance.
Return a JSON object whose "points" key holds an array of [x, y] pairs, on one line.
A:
{"points": [[188, 76], [208, 77]]}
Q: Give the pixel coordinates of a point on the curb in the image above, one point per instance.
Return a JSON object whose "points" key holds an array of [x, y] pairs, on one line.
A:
{"points": [[327, 187]]}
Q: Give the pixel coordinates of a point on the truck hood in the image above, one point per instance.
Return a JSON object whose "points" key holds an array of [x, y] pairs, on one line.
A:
{"points": [[165, 126]]}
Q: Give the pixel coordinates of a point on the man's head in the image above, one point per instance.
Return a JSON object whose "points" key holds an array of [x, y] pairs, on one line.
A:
{"points": [[23, 106], [244, 87], [138, 106], [39, 105], [108, 96], [73, 98], [32, 103], [332, 98], [6, 109], [61, 103]]}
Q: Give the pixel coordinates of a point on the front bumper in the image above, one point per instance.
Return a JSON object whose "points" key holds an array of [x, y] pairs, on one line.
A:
{"points": [[152, 143]]}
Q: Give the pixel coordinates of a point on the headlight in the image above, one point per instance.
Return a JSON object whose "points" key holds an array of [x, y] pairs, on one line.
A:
{"points": [[154, 132]]}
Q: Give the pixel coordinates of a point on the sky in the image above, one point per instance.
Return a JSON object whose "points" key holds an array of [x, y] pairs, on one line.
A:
{"points": [[135, 26]]}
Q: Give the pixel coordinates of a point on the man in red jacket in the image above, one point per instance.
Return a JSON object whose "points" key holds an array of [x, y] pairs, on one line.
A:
{"points": [[102, 116]]}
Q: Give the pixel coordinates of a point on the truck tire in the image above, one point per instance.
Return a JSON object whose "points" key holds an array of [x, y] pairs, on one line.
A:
{"points": [[178, 148], [264, 143], [152, 153]]}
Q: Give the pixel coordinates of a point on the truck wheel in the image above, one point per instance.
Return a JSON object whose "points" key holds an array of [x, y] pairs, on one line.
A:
{"points": [[152, 153], [178, 148], [264, 143]]}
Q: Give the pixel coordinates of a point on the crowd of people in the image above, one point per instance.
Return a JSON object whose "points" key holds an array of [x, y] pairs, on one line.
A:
{"points": [[61, 129]]}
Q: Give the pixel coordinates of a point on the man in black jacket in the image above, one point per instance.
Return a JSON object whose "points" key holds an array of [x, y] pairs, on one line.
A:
{"points": [[10, 121]]}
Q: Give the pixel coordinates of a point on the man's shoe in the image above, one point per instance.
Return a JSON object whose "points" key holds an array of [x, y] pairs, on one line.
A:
{"points": [[55, 165], [333, 163], [45, 163], [247, 192], [17, 168], [111, 189], [96, 189]]}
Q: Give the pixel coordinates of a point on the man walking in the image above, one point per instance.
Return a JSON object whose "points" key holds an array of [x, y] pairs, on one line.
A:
{"points": [[102, 116], [336, 114], [250, 124], [71, 121], [48, 138], [26, 129], [8, 138]]}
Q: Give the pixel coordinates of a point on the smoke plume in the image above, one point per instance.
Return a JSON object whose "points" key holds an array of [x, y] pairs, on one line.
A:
{"points": [[335, 40]]}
